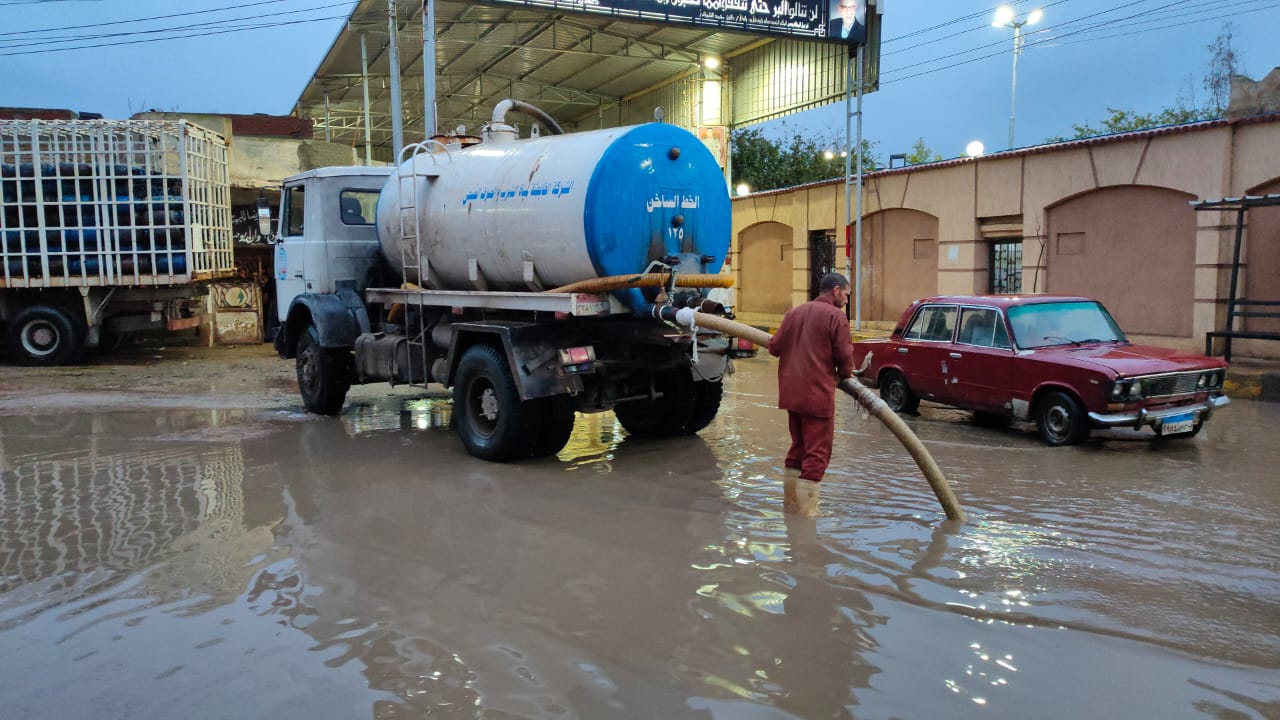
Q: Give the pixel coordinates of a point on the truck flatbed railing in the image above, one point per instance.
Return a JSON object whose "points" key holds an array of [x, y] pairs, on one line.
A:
{"points": [[574, 304]]}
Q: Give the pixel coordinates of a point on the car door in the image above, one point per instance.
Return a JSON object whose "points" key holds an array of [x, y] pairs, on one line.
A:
{"points": [[923, 351], [982, 360]]}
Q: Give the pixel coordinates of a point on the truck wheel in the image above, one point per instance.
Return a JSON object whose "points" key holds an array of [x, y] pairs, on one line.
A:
{"points": [[1060, 420], [555, 418], [490, 418], [667, 416], [324, 376], [897, 394], [706, 403], [43, 335]]}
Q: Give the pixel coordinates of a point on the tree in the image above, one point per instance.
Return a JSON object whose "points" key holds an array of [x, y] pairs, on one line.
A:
{"points": [[1224, 61], [921, 153], [764, 164], [1127, 121]]}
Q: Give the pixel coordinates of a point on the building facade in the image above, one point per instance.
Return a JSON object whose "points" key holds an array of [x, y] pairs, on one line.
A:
{"points": [[1107, 217]]}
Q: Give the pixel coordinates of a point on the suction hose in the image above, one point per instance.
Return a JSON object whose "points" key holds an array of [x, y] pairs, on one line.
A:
{"points": [[865, 397], [622, 282]]}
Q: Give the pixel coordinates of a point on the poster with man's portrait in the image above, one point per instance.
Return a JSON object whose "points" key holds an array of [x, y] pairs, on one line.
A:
{"points": [[848, 21]]}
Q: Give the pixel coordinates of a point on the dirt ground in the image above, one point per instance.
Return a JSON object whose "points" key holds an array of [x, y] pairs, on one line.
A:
{"points": [[154, 375]]}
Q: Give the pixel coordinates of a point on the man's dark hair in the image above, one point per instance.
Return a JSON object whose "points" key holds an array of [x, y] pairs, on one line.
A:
{"points": [[831, 281]]}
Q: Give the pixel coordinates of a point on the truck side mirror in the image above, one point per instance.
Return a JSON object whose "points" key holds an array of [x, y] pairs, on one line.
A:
{"points": [[264, 218]]}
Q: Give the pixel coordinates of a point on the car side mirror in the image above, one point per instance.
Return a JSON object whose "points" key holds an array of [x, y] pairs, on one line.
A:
{"points": [[264, 219]]}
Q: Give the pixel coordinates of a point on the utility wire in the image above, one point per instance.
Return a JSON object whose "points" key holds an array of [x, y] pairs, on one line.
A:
{"points": [[178, 37], [958, 33], [145, 19], [1040, 37], [1053, 39], [211, 23]]}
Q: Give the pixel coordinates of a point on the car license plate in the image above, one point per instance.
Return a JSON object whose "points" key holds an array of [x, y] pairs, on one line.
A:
{"points": [[1178, 424]]}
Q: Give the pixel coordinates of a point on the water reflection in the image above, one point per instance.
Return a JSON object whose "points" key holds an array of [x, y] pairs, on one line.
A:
{"points": [[365, 565], [76, 503]]}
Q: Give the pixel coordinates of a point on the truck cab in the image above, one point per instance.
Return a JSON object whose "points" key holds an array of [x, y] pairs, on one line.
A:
{"points": [[328, 234]]}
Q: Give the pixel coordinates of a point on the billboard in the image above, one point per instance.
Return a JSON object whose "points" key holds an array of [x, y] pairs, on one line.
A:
{"points": [[842, 21]]}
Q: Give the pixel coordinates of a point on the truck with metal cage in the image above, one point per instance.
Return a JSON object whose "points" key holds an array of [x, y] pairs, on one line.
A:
{"points": [[107, 227], [512, 270]]}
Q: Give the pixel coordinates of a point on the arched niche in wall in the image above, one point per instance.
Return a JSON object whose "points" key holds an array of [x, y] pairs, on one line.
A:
{"points": [[1132, 247], [899, 261], [766, 268]]}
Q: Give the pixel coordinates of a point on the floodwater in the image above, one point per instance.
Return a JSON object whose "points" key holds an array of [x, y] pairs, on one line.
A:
{"points": [[228, 563]]}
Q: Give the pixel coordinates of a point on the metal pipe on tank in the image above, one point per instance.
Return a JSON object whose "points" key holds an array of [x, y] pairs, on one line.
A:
{"points": [[501, 109]]}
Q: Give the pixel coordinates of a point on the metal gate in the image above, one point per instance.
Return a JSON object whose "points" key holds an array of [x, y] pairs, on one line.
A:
{"points": [[1005, 274], [822, 258]]}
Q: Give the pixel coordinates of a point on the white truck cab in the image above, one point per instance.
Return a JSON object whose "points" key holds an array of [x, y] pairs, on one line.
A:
{"points": [[333, 238]]}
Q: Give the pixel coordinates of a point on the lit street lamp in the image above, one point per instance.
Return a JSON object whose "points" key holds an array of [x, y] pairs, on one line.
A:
{"points": [[1005, 18]]}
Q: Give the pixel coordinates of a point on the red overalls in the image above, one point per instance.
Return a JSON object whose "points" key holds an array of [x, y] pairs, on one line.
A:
{"points": [[815, 350]]}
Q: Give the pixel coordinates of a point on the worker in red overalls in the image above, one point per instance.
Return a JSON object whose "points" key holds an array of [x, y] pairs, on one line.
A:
{"points": [[816, 352]]}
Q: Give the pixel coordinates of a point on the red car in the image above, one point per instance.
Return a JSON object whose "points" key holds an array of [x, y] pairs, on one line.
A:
{"points": [[1059, 361]]}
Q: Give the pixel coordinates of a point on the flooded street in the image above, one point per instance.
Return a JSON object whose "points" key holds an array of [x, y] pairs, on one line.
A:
{"points": [[202, 558]]}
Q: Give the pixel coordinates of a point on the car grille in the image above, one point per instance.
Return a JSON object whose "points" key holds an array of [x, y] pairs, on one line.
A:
{"points": [[1176, 384]]}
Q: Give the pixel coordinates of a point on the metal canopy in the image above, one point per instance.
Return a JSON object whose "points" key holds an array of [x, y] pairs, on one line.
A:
{"points": [[584, 71]]}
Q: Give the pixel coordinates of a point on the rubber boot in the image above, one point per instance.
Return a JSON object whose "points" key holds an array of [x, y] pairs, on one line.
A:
{"points": [[807, 492], [789, 502]]}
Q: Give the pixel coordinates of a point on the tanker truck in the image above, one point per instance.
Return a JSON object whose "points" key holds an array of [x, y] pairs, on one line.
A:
{"points": [[510, 269], [107, 227]]}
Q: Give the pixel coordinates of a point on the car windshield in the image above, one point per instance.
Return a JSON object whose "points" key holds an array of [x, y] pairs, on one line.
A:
{"points": [[1062, 323]]}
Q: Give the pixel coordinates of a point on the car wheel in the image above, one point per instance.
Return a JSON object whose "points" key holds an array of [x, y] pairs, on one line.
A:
{"points": [[1060, 420], [896, 393], [491, 420], [43, 335], [324, 376]]}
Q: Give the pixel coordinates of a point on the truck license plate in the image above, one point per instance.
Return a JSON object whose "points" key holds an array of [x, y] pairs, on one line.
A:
{"points": [[1177, 424]]}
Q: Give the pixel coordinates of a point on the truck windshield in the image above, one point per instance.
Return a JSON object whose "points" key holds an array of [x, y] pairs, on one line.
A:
{"points": [[1063, 323]]}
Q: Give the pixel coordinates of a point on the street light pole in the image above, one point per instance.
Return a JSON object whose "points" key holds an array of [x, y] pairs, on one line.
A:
{"points": [[1005, 18], [1013, 90]]}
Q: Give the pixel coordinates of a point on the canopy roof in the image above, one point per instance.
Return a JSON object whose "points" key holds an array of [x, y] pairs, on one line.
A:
{"points": [[585, 71]]}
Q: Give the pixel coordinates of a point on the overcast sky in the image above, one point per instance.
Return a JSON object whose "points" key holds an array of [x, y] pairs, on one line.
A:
{"points": [[946, 71]]}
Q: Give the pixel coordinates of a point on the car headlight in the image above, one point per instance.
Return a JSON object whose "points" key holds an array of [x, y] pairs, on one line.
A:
{"points": [[1203, 381], [1216, 378], [1119, 390], [1135, 391]]}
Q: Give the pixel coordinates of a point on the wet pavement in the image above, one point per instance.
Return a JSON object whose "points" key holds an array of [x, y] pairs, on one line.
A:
{"points": [[257, 562]]}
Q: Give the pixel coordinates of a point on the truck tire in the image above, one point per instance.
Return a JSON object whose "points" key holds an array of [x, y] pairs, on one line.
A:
{"points": [[488, 414], [666, 416], [554, 425], [706, 403], [1060, 420], [324, 375], [43, 335]]}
